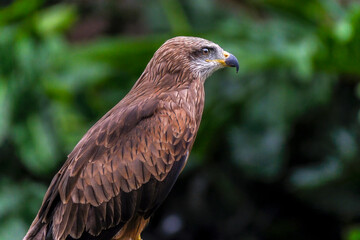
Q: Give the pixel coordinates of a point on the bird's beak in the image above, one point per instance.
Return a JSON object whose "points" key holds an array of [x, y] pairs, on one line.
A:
{"points": [[228, 61], [231, 61]]}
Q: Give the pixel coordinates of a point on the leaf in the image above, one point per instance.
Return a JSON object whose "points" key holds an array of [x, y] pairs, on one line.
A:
{"points": [[353, 233], [55, 19], [317, 175], [36, 144], [5, 112], [18, 9]]}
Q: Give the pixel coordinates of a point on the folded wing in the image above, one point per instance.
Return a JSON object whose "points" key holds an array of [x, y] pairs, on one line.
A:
{"points": [[123, 167]]}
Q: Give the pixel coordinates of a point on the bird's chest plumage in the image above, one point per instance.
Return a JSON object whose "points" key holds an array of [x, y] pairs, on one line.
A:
{"points": [[191, 99]]}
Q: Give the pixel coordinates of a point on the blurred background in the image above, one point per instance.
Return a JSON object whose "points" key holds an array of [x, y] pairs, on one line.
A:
{"points": [[277, 154]]}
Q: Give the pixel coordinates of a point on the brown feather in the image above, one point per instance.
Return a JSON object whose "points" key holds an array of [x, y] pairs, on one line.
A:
{"points": [[126, 164]]}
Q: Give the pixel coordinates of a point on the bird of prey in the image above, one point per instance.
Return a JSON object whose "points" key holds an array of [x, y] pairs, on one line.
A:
{"points": [[126, 164]]}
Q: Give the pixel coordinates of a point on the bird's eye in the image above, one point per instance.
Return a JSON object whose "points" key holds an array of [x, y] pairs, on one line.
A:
{"points": [[205, 51]]}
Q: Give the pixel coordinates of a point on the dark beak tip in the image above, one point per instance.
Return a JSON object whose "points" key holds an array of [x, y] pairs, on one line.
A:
{"points": [[232, 61]]}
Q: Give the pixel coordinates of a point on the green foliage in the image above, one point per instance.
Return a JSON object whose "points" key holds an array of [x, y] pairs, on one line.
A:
{"points": [[278, 141], [353, 234]]}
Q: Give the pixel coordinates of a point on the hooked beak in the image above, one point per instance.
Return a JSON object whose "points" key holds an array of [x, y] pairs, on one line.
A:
{"points": [[228, 61], [231, 61]]}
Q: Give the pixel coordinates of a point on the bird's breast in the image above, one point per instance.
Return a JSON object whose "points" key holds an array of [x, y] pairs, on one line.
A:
{"points": [[192, 101]]}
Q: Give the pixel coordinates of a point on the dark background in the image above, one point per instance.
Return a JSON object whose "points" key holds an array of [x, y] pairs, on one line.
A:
{"points": [[277, 154]]}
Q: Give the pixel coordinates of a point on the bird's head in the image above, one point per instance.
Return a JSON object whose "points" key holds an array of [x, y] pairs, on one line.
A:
{"points": [[193, 55]]}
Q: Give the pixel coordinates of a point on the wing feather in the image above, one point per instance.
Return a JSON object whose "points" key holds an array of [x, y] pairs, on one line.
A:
{"points": [[126, 163]]}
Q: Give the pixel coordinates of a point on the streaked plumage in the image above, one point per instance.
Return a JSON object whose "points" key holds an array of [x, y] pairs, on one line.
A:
{"points": [[125, 165]]}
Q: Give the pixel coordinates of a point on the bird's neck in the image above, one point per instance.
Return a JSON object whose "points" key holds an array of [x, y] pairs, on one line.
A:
{"points": [[200, 99], [188, 88], [192, 97]]}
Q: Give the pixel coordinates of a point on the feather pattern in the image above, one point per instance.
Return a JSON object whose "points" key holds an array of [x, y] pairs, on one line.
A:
{"points": [[125, 165]]}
